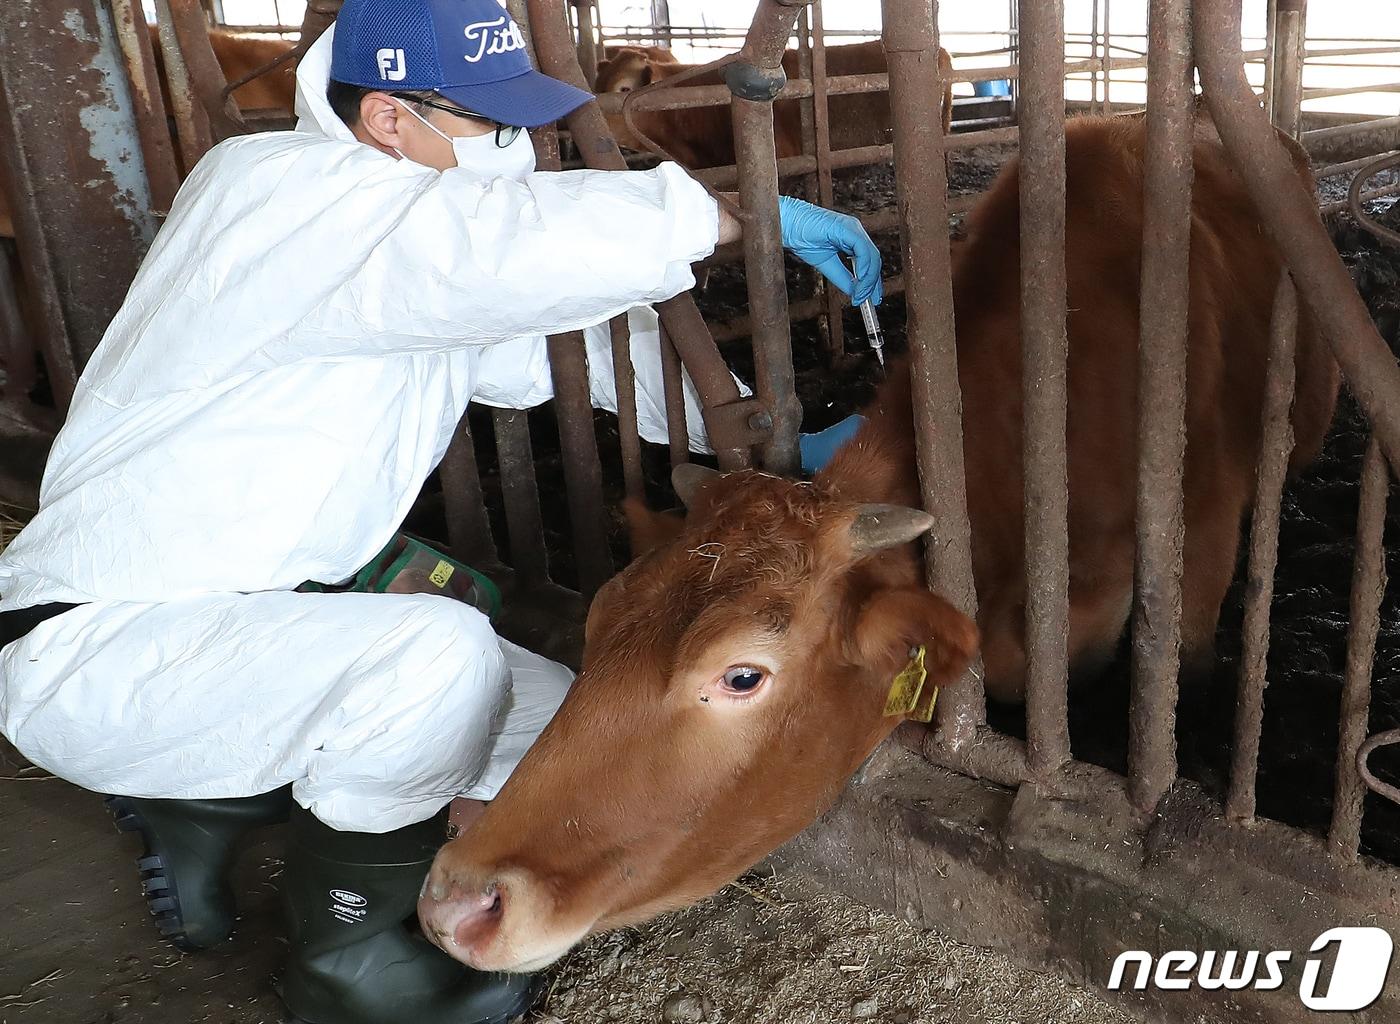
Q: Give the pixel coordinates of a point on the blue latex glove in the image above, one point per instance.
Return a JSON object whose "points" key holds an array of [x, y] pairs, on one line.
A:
{"points": [[821, 238], [817, 449]]}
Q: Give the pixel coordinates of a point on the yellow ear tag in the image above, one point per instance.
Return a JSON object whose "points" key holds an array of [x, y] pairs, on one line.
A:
{"points": [[441, 574], [904, 691], [923, 711]]}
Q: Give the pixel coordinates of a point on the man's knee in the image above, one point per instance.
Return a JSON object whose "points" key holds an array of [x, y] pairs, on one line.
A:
{"points": [[457, 655]]}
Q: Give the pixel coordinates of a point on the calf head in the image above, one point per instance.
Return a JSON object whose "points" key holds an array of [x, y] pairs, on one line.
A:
{"points": [[625, 70], [734, 677]]}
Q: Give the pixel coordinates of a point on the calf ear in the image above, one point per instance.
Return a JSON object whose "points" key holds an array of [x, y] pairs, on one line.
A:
{"points": [[648, 529], [894, 620]]}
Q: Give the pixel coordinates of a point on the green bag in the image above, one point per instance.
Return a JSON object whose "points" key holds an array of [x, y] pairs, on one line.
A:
{"points": [[408, 566]]}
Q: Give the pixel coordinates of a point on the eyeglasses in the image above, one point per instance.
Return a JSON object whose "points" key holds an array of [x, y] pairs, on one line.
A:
{"points": [[505, 133]]}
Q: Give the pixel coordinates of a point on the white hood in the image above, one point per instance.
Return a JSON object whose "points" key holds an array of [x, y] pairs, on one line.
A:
{"points": [[314, 113]]}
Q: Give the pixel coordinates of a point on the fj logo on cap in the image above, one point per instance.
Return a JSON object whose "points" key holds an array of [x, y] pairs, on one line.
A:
{"points": [[391, 65], [488, 38]]}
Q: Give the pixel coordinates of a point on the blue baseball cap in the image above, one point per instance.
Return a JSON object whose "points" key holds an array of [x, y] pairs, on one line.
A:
{"points": [[470, 51]]}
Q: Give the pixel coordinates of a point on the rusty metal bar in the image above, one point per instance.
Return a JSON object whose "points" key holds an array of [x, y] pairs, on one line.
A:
{"points": [[550, 35], [1345, 141], [583, 470], [826, 193], [17, 354], [1161, 390], [1275, 449], [629, 436], [1108, 54], [71, 156], [1368, 584], [754, 79], [573, 413], [1289, 213], [156, 147], [673, 388], [1044, 348], [464, 504], [921, 187], [1352, 166], [587, 40], [1363, 197], [521, 495], [1290, 54], [193, 131], [1389, 738]]}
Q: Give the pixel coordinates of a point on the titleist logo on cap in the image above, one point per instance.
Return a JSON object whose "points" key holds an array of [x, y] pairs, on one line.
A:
{"points": [[488, 38]]}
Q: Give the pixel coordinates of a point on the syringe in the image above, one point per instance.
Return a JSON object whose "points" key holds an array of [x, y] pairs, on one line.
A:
{"points": [[873, 334]]}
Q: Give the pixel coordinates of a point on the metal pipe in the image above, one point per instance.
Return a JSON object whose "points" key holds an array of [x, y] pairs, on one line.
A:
{"points": [[1289, 213], [673, 389], [521, 495], [1044, 349], [921, 186], [1275, 448], [587, 40], [629, 436], [826, 192], [70, 152], [1368, 584], [1344, 141], [157, 150], [1108, 53], [464, 504], [1161, 401], [798, 312], [1290, 54], [750, 79], [549, 32]]}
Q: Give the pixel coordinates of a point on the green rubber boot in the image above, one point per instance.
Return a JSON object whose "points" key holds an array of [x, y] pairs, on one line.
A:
{"points": [[356, 954], [190, 849]]}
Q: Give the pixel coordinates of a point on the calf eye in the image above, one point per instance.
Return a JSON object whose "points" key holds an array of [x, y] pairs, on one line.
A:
{"points": [[743, 678]]}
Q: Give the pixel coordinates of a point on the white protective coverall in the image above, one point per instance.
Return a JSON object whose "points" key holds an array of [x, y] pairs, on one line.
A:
{"points": [[288, 367]]}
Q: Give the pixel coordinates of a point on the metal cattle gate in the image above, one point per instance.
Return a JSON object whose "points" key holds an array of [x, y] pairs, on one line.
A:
{"points": [[997, 841]]}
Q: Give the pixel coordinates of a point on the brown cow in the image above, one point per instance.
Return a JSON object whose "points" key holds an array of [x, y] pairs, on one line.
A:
{"points": [[703, 136], [734, 676]]}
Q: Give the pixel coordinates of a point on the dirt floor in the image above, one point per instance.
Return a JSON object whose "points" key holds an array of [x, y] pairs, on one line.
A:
{"points": [[78, 948]]}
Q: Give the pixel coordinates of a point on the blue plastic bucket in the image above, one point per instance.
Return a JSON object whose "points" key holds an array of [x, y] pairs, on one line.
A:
{"points": [[994, 87]]}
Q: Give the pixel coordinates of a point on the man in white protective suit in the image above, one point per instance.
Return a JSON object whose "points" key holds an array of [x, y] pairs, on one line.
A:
{"points": [[288, 367]]}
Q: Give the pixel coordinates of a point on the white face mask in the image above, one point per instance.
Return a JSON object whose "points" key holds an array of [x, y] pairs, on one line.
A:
{"points": [[481, 155]]}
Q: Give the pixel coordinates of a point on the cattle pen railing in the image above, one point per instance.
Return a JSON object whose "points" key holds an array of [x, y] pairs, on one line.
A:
{"points": [[1044, 872]]}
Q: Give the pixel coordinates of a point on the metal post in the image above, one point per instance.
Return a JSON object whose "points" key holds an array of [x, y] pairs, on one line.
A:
{"points": [[156, 146], [1289, 56], [1367, 591], [754, 80], [573, 409], [1161, 391], [673, 388], [1289, 213], [1108, 57], [629, 437], [587, 39], [464, 504], [730, 433], [71, 152], [661, 23], [921, 185], [1275, 448], [826, 193], [1045, 351], [521, 495]]}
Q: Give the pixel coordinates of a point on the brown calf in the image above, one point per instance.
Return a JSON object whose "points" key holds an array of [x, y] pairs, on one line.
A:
{"points": [[735, 675], [704, 137]]}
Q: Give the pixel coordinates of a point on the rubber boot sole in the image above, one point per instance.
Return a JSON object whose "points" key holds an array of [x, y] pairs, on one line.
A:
{"points": [[157, 883]]}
